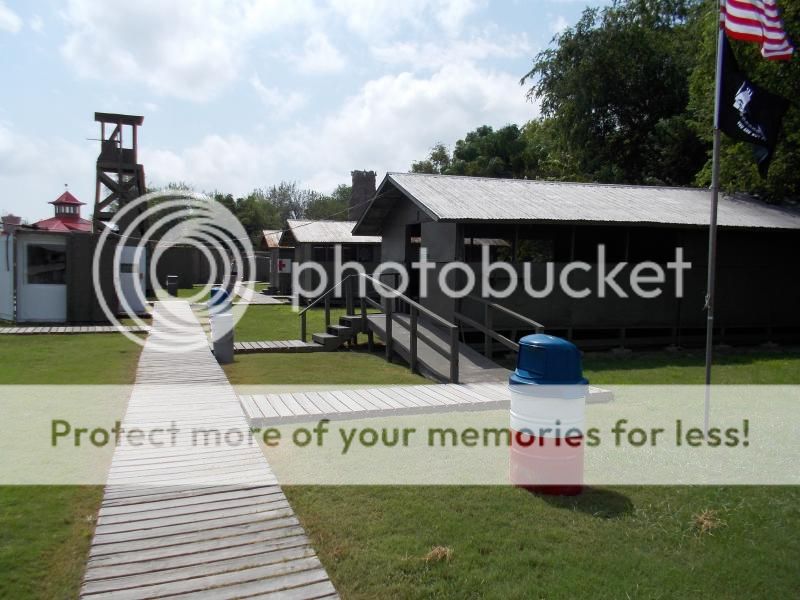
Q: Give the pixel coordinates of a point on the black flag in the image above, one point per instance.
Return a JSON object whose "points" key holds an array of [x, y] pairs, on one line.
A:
{"points": [[748, 112]]}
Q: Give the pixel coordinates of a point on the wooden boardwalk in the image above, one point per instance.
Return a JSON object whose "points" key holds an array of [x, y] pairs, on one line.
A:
{"points": [[473, 367], [72, 329], [182, 518], [248, 296], [268, 409], [291, 407], [276, 346]]}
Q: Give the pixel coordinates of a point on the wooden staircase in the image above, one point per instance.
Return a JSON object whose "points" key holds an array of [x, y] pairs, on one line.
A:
{"points": [[427, 342], [337, 335]]}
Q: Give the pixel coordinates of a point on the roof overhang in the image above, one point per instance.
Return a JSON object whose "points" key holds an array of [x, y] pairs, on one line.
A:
{"points": [[381, 205], [102, 117]]}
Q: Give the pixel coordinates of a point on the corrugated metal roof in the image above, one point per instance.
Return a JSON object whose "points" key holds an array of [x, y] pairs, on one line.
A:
{"points": [[272, 237], [456, 198], [328, 232]]}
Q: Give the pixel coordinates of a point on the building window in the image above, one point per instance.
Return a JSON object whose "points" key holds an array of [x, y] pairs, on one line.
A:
{"points": [[536, 250], [47, 264], [321, 254], [365, 254]]}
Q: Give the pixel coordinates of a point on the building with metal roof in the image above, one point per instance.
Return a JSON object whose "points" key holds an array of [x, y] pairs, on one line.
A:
{"points": [[317, 241], [324, 232], [270, 238], [451, 198], [539, 223]]}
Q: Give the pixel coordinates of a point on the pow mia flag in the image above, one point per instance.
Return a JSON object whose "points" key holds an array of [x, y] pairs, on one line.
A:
{"points": [[748, 112]]}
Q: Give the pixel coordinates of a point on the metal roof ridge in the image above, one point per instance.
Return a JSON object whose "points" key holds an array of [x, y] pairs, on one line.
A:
{"points": [[561, 182]]}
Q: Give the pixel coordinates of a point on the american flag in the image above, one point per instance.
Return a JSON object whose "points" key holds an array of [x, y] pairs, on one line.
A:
{"points": [[757, 21]]}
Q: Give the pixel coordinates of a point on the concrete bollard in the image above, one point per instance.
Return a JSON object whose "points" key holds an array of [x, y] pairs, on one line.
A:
{"points": [[222, 337], [172, 285]]}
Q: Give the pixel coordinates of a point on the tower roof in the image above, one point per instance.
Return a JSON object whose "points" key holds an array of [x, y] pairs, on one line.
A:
{"points": [[67, 199]]}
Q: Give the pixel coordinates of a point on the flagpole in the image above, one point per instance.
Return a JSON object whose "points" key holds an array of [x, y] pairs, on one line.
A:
{"points": [[712, 231]]}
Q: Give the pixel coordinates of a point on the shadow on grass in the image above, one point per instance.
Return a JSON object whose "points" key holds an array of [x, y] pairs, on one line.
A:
{"points": [[597, 502]]}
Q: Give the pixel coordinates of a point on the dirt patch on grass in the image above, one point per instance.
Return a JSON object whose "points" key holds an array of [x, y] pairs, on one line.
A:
{"points": [[706, 522], [438, 554]]}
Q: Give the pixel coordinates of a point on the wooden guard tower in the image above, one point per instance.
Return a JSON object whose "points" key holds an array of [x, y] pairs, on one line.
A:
{"points": [[120, 179]]}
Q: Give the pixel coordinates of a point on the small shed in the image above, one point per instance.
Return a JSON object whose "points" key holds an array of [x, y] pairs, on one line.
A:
{"points": [[316, 241]]}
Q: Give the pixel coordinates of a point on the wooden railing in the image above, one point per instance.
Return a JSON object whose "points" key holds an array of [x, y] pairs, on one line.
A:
{"points": [[486, 327], [326, 298], [387, 306]]}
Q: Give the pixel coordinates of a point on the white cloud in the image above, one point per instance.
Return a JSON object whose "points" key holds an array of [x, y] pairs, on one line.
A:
{"points": [[29, 183], [228, 163], [389, 123], [319, 55], [193, 50], [189, 50], [558, 24], [279, 104], [434, 55], [451, 14], [379, 18], [395, 119], [9, 20], [36, 24]]}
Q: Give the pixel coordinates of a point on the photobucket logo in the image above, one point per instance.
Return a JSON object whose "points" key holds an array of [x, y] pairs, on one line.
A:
{"points": [[173, 218], [495, 279]]}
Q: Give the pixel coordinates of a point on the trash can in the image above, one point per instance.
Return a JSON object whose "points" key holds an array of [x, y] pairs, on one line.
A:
{"points": [[222, 337], [548, 400], [172, 285], [219, 300]]}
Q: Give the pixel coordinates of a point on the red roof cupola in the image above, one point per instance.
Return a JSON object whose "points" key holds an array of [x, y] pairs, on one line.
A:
{"points": [[67, 215]]}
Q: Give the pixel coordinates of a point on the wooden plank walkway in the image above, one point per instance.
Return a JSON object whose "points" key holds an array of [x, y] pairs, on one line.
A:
{"points": [[277, 346], [71, 329], [249, 296], [292, 407], [473, 367], [187, 519], [270, 409]]}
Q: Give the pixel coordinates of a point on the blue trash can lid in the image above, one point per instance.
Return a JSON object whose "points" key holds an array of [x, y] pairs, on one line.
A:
{"points": [[218, 295], [546, 359]]}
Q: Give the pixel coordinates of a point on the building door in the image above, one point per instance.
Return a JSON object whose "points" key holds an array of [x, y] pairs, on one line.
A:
{"points": [[132, 267], [41, 279]]}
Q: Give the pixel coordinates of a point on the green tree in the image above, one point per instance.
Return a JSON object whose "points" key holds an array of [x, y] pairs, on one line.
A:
{"points": [[738, 170], [613, 88], [545, 155], [257, 212], [328, 207], [438, 161], [489, 153]]}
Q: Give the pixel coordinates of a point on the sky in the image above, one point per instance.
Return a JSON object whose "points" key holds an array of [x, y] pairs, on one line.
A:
{"points": [[244, 94]]}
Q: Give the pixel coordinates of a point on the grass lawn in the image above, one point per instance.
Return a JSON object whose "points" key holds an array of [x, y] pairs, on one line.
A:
{"points": [[734, 367], [280, 322], [621, 542], [106, 358], [45, 530], [318, 367]]}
